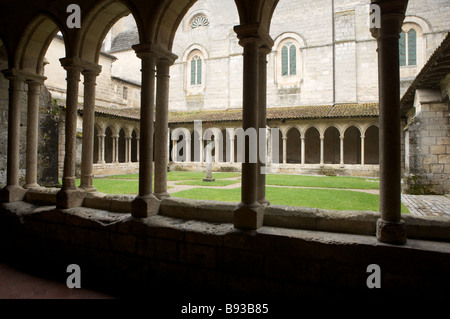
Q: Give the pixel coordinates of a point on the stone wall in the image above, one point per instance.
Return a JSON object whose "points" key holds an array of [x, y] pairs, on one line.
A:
{"points": [[169, 255], [427, 141]]}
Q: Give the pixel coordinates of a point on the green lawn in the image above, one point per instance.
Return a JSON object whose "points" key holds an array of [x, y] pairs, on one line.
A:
{"points": [[318, 198], [335, 198], [322, 181]]}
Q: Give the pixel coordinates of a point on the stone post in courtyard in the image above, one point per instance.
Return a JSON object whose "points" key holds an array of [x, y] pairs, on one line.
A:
{"points": [[208, 177], [162, 124], [12, 192], [146, 204], [390, 228], [87, 155]]}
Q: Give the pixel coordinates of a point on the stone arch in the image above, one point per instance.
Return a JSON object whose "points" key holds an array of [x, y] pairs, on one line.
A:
{"points": [[109, 145], [293, 145], [97, 23], [35, 41], [352, 145], [121, 147], [372, 147], [332, 145], [181, 136], [312, 145]]}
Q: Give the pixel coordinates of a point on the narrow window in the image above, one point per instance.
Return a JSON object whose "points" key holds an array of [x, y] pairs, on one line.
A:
{"points": [[289, 59], [412, 47], [402, 48], [125, 93]]}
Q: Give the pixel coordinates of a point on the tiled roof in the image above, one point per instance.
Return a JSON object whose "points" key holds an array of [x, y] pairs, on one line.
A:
{"points": [[437, 67], [232, 115]]}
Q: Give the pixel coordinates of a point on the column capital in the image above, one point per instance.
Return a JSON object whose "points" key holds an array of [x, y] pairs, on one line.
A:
{"points": [[392, 14], [154, 50], [254, 33], [13, 74]]}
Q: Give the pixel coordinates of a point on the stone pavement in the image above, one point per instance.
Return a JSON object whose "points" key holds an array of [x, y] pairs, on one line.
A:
{"points": [[427, 205]]}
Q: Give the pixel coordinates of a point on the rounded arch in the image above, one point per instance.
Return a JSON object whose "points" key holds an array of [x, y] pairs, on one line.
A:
{"points": [[97, 23], [192, 48], [312, 145], [35, 41], [293, 145], [257, 11], [352, 145], [371, 148], [332, 145]]}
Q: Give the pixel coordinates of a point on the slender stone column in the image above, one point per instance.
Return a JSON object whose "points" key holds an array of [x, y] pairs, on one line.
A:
{"points": [[200, 141], [32, 133], [174, 151], [115, 148], [12, 192], [162, 126], [101, 148], [284, 149], [362, 150], [390, 227], [262, 123], [249, 214], [321, 150], [146, 204], [137, 148], [70, 196], [231, 143], [87, 152], [303, 150], [341, 149]]}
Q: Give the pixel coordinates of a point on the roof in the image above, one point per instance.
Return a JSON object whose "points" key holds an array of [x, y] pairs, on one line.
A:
{"points": [[233, 115], [437, 67]]}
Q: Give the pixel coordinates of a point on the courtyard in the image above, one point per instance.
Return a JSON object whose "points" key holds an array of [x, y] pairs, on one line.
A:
{"points": [[324, 192]]}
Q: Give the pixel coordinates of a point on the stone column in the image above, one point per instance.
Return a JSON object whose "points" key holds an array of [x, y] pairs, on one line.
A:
{"points": [[87, 154], [362, 150], [70, 196], [303, 150], [137, 148], [321, 150], [390, 228], [162, 125], [146, 204], [32, 133], [284, 149], [12, 192], [264, 50], [115, 143], [341, 149], [231, 141], [101, 148], [174, 151], [249, 214]]}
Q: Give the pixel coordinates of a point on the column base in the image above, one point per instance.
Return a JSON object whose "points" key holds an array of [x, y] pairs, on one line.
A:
{"points": [[209, 179], [145, 206], [70, 198], [249, 217], [88, 189], [12, 193], [29, 186], [162, 195], [264, 202], [391, 232]]}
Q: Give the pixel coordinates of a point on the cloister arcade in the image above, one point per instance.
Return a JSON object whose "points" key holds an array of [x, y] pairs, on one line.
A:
{"points": [[157, 23]]}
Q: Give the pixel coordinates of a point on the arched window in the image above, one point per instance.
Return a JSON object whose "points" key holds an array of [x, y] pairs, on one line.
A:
{"points": [[289, 59], [196, 70], [408, 47]]}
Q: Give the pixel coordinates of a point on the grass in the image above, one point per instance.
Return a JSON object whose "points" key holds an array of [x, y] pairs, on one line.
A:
{"points": [[217, 182], [333, 199], [322, 181]]}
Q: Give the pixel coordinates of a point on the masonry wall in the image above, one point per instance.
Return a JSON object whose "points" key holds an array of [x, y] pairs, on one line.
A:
{"points": [[427, 164], [176, 258]]}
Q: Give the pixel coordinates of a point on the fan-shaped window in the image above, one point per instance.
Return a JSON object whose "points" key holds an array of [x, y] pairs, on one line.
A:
{"points": [[200, 21]]}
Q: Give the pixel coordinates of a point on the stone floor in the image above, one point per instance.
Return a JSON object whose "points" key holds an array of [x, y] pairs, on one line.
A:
{"points": [[19, 284], [427, 205]]}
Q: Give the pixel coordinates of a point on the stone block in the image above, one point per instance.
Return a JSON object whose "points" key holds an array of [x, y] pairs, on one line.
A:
{"points": [[166, 250], [79, 236], [444, 159], [99, 238], [437, 149], [250, 217], [198, 255], [240, 261], [123, 243]]}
